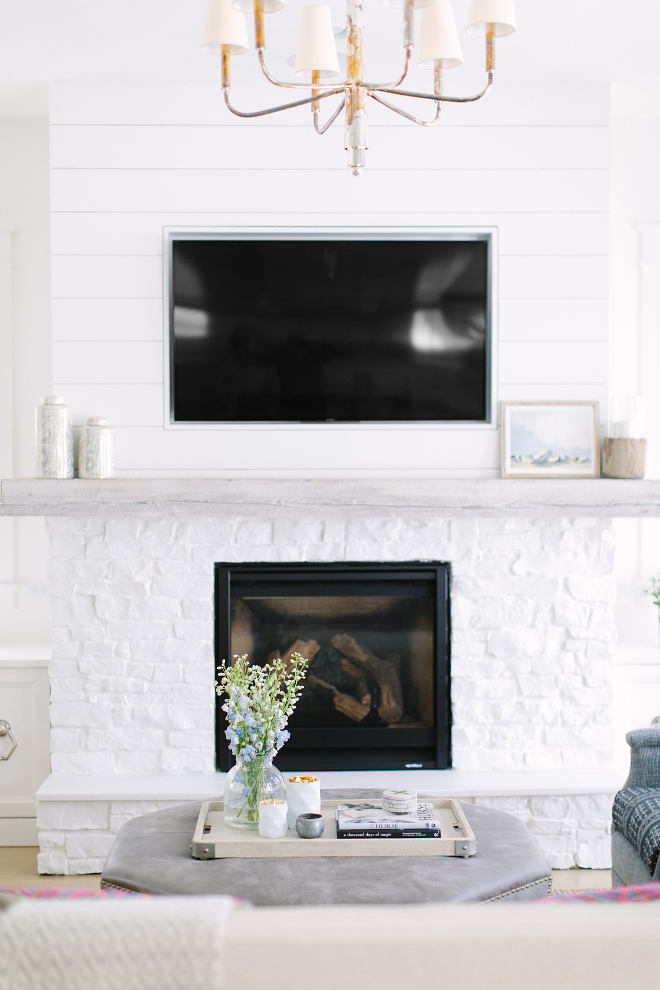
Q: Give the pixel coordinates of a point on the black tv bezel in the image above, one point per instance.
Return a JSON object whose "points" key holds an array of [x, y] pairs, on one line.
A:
{"points": [[485, 234]]}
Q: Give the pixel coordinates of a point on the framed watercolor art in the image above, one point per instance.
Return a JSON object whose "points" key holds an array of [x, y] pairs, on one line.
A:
{"points": [[550, 440]]}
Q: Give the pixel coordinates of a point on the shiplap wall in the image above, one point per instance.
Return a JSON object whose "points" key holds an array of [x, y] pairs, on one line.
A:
{"points": [[127, 160]]}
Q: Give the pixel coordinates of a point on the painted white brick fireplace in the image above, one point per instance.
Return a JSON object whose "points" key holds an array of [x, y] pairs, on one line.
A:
{"points": [[132, 670]]}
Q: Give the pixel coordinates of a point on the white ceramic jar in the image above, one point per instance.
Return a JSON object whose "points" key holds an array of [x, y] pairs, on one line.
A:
{"points": [[303, 795], [54, 423], [96, 450]]}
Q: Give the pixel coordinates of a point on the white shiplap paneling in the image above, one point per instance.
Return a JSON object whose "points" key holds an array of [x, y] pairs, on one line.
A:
{"points": [[106, 277], [553, 319], [130, 159], [482, 190], [317, 449], [141, 277], [141, 233], [553, 361], [110, 319], [169, 104], [239, 147], [108, 362], [122, 404], [578, 277]]}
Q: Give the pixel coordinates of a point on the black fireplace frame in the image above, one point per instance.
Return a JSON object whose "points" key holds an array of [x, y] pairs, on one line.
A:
{"points": [[437, 571]]}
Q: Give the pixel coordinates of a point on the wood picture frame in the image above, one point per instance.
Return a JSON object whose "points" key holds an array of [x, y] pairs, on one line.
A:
{"points": [[550, 439]]}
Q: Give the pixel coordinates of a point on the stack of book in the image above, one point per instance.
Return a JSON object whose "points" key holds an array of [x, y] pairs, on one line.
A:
{"points": [[367, 820]]}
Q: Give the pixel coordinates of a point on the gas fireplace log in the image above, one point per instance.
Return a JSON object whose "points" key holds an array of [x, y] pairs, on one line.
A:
{"points": [[307, 649], [384, 671], [342, 702], [349, 706], [362, 689]]}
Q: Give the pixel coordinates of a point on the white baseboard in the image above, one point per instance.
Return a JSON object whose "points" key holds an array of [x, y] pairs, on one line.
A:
{"points": [[19, 832]]}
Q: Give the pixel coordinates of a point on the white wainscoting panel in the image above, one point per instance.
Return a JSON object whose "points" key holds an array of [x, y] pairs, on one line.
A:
{"points": [[24, 696]]}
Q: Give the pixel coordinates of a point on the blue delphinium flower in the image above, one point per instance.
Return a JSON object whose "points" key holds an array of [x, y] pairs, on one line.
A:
{"points": [[258, 703]]}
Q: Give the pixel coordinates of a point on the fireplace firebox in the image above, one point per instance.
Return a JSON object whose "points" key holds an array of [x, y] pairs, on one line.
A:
{"points": [[376, 637]]}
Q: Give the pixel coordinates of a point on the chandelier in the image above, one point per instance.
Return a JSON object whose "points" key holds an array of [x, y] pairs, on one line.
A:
{"points": [[225, 34]]}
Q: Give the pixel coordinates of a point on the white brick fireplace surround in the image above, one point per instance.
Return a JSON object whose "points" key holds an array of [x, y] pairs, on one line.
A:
{"points": [[132, 670]]}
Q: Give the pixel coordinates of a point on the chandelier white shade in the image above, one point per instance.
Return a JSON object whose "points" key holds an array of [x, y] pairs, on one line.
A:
{"points": [[438, 37], [316, 59], [499, 13], [225, 28], [317, 52]]}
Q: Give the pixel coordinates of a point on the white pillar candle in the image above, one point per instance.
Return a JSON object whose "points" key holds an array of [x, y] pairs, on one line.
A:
{"points": [[272, 819], [303, 795]]}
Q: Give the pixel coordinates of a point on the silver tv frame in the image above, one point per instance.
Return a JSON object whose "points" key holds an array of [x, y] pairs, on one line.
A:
{"points": [[343, 233]]}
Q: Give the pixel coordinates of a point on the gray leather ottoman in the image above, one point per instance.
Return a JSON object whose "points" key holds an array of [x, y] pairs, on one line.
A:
{"points": [[151, 854]]}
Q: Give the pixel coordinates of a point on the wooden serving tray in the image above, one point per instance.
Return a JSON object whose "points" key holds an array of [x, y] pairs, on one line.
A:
{"points": [[214, 840]]}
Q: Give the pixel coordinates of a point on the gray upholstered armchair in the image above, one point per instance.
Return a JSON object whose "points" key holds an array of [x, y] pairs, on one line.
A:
{"points": [[636, 814]]}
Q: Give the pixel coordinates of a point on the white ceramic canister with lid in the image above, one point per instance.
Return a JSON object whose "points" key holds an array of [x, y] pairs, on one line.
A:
{"points": [[54, 422], [96, 450]]}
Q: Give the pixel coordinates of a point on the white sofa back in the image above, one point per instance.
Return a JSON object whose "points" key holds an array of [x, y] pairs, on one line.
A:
{"points": [[204, 943]]}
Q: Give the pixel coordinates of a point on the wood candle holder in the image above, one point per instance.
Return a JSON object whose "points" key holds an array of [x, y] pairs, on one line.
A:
{"points": [[623, 458]]}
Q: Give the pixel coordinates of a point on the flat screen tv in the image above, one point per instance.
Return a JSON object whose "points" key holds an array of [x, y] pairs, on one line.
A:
{"points": [[285, 330]]}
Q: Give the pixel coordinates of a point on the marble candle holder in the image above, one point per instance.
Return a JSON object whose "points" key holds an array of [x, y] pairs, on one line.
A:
{"points": [[272, 819]]}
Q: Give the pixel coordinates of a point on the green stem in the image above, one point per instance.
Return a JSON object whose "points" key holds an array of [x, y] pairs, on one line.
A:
{"points": [[253, 778]]}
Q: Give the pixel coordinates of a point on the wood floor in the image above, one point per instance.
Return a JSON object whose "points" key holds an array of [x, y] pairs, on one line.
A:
{"points": [[18, 868]]}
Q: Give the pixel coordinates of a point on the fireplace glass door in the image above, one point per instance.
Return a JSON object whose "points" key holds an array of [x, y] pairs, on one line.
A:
{"points": [[375, 636]]}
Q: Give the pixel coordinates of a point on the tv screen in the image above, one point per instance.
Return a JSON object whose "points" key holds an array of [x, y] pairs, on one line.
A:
{"points": [[329, 331]]}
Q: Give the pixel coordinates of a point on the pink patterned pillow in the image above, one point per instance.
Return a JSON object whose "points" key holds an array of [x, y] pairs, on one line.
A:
{"points": [[68, 893], [640, 894]]}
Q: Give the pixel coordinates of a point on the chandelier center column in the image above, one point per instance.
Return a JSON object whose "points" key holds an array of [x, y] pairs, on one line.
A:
{"points": [[356, 115]]}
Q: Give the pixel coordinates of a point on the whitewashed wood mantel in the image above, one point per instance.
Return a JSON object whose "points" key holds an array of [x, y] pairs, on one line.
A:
{"points": [[315, 497]]}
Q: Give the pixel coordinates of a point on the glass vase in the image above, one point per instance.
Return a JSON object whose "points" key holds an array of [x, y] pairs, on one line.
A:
{"points": [[248, 783]]}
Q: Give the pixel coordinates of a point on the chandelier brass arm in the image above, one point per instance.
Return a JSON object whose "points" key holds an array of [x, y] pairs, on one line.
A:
{"points": [[285, 106], [347, 82], [404, 113], [330, 122], [434, 96], [438, 81], [292, 85]]}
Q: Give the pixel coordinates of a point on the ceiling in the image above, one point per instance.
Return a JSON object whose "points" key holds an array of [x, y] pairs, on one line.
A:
{"points": [[158, 40]]}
